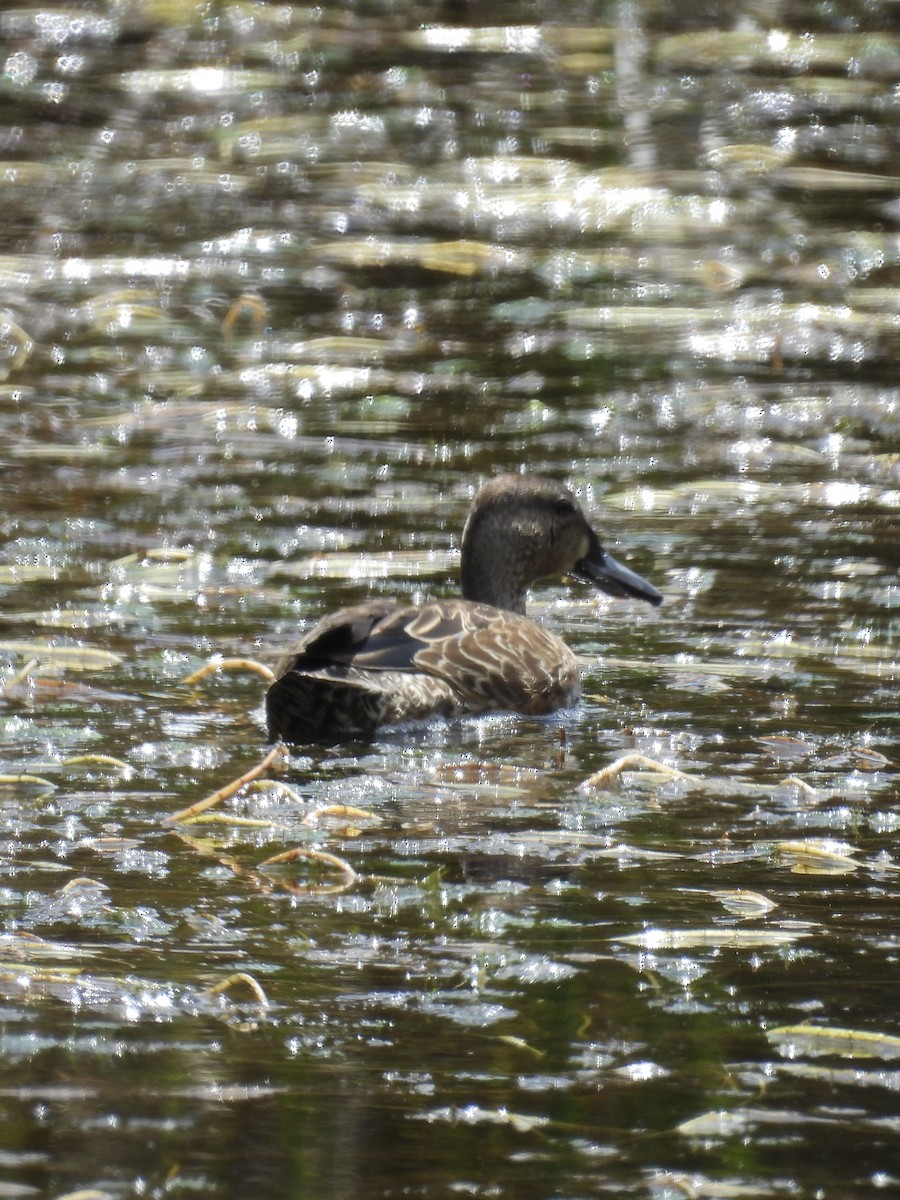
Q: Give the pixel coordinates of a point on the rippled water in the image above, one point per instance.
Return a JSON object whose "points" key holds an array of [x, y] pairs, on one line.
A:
{"points": [[280, 287]]}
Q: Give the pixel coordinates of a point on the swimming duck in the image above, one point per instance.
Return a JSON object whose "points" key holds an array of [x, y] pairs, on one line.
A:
{"points": [[380, 664]]}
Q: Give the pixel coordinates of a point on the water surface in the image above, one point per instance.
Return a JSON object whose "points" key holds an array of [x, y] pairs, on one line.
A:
{"points": [[650, 251]]}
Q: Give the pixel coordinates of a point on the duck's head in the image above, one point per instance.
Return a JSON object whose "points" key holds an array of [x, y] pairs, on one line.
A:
{"points": [[523, 528]]}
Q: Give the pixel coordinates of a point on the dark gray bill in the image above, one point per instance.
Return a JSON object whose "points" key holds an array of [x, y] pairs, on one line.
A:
{"points": [[614, 578]]}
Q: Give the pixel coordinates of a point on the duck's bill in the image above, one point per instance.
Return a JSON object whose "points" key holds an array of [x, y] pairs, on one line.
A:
{"points": [[614, 578]]}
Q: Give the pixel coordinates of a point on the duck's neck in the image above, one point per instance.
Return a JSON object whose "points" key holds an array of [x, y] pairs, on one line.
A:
{"points": [[491, 574]]}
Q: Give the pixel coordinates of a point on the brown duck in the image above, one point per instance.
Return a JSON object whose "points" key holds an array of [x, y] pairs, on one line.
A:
{"points": [[379, 664]]}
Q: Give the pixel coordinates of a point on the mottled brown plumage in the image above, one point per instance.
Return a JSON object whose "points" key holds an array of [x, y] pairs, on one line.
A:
{"points": [[379, 664]]}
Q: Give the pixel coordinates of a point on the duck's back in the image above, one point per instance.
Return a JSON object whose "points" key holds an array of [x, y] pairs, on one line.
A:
{"points": [[378, 664]]}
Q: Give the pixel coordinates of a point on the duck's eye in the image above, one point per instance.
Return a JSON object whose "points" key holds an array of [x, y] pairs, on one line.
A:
{"points": [[564, 506]]}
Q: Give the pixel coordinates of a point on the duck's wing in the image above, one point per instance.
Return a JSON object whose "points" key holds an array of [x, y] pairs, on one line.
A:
{"points": [[495, 660], [381, 636], [354, 671], [398, 641], [445, 657], [319, 695], [338, 637], [491, 659]]}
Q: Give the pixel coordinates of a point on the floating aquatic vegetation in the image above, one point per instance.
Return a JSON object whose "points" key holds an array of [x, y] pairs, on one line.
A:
{"points": [[796, 1040], [60, 451], [632, 762], [636, 318], [109, 845], [510, 39], [713, 938], [802, 786], [818, 856], [840, 1077], [715, 494], [160, 573], [783, 746], [228, 790], [739, 1122], [486, 39], [276, 787], [869, 760], [69, 658], [107, 760], [722, 276], [15, 345], [127, 998], [500, 778], [218, 665], [826, 179], [239, 977], [68, 618], [204, 81], [780, 50], [666, 1185], [305, 854], [473, 1114], [463, 257], [15, 573], [749, 158], [742, 902], [233, 821], [248, 305], [402, 564], [339, 349], [336, 816], [120, 309], [9, 686], [29, 947]]}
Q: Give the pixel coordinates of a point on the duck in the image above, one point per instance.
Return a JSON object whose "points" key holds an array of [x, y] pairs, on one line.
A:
{"points": [[380, 663]]}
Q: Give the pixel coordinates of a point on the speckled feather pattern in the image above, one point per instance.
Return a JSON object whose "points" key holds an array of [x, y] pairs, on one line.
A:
{"points": [[379, 664], [442, 659]]}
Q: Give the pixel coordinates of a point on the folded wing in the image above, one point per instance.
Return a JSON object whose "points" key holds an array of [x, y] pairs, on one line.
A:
{"points": [[388, 664]]}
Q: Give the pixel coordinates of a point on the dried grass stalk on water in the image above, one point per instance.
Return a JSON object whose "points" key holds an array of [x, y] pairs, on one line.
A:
{"points": [[225, 985], [38, 779], [106, 760], [631, 762], [278, 786], [229, 790], [232, 820], [248, 304], [339, 810], [229, 664], [322, 856], [71, 658], [9, 685]]}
